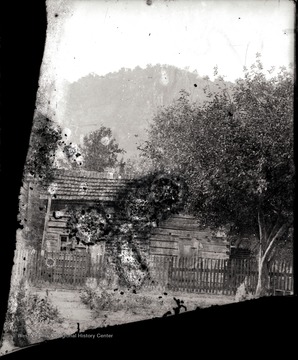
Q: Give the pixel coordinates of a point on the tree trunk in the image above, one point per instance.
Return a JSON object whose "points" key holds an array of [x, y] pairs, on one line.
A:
{"points": [[262, 283], [265, 248], [259, 288]]}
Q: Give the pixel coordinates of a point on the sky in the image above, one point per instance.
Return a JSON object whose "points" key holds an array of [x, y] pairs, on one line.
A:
{"points": [[104, 36]]}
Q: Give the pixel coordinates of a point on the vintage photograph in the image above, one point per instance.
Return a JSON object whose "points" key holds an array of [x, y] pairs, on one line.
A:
{"points": [[159, 178]]}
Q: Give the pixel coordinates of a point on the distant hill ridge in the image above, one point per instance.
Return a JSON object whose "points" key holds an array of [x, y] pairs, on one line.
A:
{"points": [[127, 100]]}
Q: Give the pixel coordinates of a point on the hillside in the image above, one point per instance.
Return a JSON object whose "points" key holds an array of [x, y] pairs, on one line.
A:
{"points": [[127, 100]]}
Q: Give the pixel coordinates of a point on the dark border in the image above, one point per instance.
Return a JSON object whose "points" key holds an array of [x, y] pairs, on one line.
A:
{"points": [[23, 31], [254, 328]]}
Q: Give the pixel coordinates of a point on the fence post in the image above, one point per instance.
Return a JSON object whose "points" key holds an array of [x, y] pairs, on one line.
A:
{"points": [[174, 273], [170, 272], [199, 272], [216, 268], [193, 274], [222, 275]]}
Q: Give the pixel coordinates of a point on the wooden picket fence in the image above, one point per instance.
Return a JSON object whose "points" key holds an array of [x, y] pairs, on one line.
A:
{"points": [[194, 274], [218, 276], [189, 274], [281, 278], [64, 268]]}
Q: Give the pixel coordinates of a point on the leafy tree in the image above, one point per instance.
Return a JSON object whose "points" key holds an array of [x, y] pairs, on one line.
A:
{"points": [[236, 154], [46, 137], [170, 136], [48, 150], [100, 150], [150, 199], [68, 156], [44, 155], [137, 167]]}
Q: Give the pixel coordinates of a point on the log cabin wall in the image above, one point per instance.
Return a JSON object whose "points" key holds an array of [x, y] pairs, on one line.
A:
{"points": [[57, 227], [181, 235], [72, 189], [177, 236]]}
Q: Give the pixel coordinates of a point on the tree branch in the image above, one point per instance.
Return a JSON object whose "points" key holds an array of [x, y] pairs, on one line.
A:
{"points": [[264, 231], [271, 255], [260, 227], [260, 231], [280, 232], [273, 230]]}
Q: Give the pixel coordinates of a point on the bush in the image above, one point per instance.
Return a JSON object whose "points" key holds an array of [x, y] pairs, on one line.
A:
{"points": [[242, 292], [20, 335], [102, 299], [15, 324], [29, 317], [107, 301], [41, 310], [88, 296], [40, 316]]}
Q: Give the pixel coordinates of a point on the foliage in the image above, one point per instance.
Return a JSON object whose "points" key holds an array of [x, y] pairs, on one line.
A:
{"points": [[88, 296], [101, 299], [44, 155], [150, 199], [15, 317], [48, 150], [41, 316], [32, 211], [236, 155], [168, 145], [89, 224], [29, 317], [139, 208], [136, 167], [68, 156], [243, 293], [100, 150], [45, 139], [107, 301], [41, 310], [236, 152]]}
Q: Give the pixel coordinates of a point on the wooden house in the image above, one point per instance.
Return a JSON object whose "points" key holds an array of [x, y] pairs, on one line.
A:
{"points": [[180, 235], [75, 189]]}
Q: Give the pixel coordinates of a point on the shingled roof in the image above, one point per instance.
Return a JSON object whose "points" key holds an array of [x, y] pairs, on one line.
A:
{"points": [[85, 185]]}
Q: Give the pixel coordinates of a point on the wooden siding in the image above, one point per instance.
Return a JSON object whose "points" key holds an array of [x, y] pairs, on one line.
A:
{"points": [[181, 235], [55, 228], [187, 240]]}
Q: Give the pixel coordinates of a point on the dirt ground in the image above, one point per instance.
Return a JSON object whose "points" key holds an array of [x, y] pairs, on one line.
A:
{"points": [[140, 306], [156, 304]]}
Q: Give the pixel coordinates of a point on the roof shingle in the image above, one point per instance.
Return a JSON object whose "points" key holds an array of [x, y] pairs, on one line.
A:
{"points": [[85, 185]]}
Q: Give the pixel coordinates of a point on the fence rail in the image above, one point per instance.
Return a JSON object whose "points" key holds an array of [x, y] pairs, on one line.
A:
{"points": [[193, 274]]}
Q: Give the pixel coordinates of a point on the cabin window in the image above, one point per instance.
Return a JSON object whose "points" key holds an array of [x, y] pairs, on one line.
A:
{"points": [[63, 242]]}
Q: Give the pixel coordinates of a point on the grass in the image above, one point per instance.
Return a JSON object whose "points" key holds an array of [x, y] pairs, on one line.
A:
{"points": [[30, 317]]}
